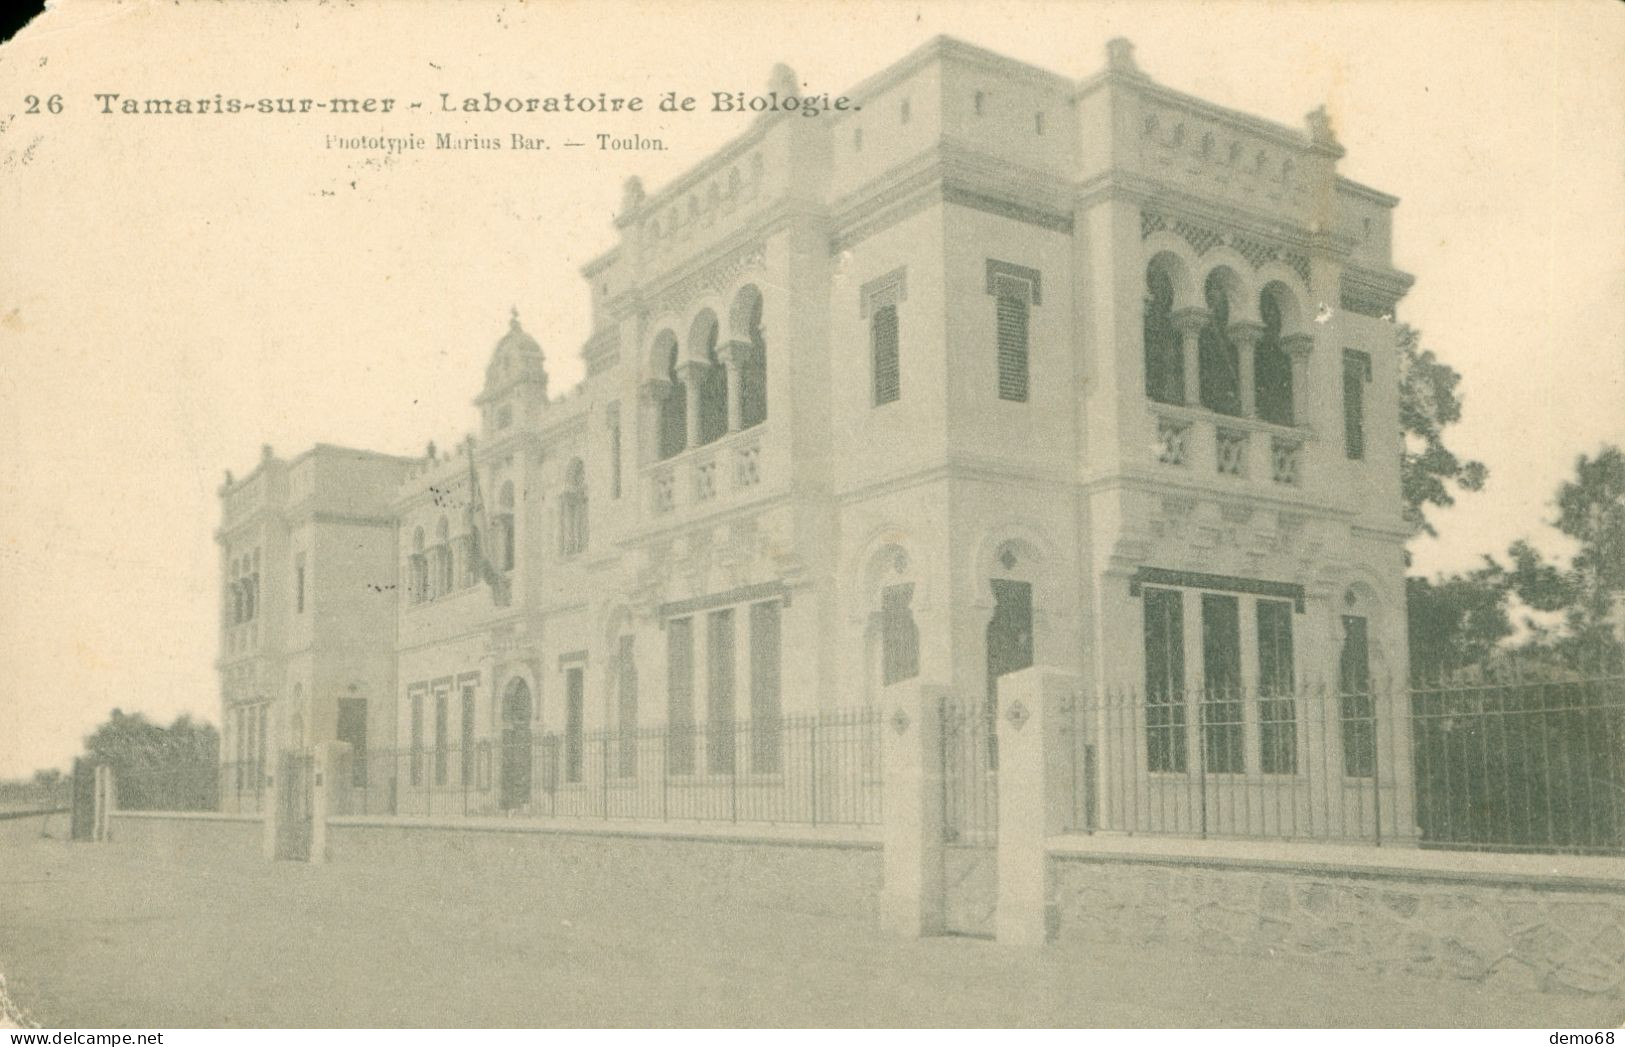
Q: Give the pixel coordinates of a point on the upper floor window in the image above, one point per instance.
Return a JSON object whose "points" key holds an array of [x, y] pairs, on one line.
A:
{"points": [[1356, 372], [1272, 367], [504, 525], [1219, 361], [443, 570], [417, 571], [883, 337], [1164, 358], [573, 511], [746, 318], [878, 300], [713, 420], [1016, 289], [671, 406]]}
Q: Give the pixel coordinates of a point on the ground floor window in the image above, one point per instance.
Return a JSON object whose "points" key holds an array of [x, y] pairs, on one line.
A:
{"points": [[1277, 713], [765, 699], [575, 700], [1164, 680]]}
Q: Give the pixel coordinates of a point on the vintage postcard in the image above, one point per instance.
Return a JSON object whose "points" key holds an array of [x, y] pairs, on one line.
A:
{"points": [[693, 514]]}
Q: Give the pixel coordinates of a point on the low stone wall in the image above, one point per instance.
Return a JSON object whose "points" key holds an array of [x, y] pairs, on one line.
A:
{"points": [[188, 837], [1524, 931], [811, 874]]}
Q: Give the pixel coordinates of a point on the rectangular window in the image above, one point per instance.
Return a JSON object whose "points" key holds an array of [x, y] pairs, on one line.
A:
{"points": [[626, 683], [1357, 710], [1222, 736], [1164, 680], [416, 770], [719, 726], [441, 735], [1356, 372], [465, 721], [299, 584], [575, 700], [887, 366], [765, 742], [680, 695], [1012, 331], [1277, 712]]}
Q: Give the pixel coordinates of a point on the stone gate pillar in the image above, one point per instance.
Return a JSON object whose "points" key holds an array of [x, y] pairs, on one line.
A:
{"points": [[1033, 795], [911, 767]]}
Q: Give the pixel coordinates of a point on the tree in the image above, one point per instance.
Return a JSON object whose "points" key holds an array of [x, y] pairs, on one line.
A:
{"points": [[1456, 620], [159, 768], [1589, 591], [1429, 402]]}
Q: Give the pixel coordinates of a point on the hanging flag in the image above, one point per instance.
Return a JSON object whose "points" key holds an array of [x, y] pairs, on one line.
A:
{"points": [[479, 524]]}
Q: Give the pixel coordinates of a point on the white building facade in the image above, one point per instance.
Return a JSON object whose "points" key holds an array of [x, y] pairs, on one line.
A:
{"points": [[1001, 368]]}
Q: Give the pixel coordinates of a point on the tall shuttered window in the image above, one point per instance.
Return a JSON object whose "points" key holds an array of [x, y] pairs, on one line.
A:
{"points": [[1015, 290], [1356, 373], [878, 301], [626, 699], [883, 333], [1012, 313], [575, 703]]}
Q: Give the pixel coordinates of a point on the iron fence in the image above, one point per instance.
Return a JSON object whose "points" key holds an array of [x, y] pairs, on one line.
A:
{"points": [[810, 770], [1517, 766]]}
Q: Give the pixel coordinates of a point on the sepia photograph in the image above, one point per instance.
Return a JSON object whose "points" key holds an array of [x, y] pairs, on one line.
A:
{"points": [[684, 514]]}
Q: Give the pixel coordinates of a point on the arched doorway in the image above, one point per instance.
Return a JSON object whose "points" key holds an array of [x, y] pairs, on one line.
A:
{"points": [[516, 755]]}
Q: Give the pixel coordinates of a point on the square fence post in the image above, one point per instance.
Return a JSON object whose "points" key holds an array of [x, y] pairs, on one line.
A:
{"points": [[327, 794], [1033, 802], [911, 777]]}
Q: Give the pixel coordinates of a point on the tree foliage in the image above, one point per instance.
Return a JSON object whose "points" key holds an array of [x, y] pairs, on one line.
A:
{"points": [[1588, 591], [157, 767], [1429, 402]]}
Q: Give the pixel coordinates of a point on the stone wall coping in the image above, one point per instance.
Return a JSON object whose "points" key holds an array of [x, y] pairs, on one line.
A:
{"points": [[1496, 869], [858, 837], [189, 816]]}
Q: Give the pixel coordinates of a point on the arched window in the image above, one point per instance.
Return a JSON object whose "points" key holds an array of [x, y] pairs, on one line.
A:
{"points": [[747, 325], [504, 526], [1220, 365], [442, 559], [473, 549], [899, 636], [702, 339], [1272, 367], [573, 511], [1164, 361], [673, 406], [417, 571]]}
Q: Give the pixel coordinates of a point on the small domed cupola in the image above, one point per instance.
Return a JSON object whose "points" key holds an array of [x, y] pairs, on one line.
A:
{"points": [[516, 362]]}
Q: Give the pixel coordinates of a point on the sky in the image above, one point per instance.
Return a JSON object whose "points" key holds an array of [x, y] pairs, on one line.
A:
{"points": [[177, 291]]}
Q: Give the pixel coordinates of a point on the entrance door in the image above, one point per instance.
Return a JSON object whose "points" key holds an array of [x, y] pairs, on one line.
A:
{"points": [[516, 755], [352, 730]]}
